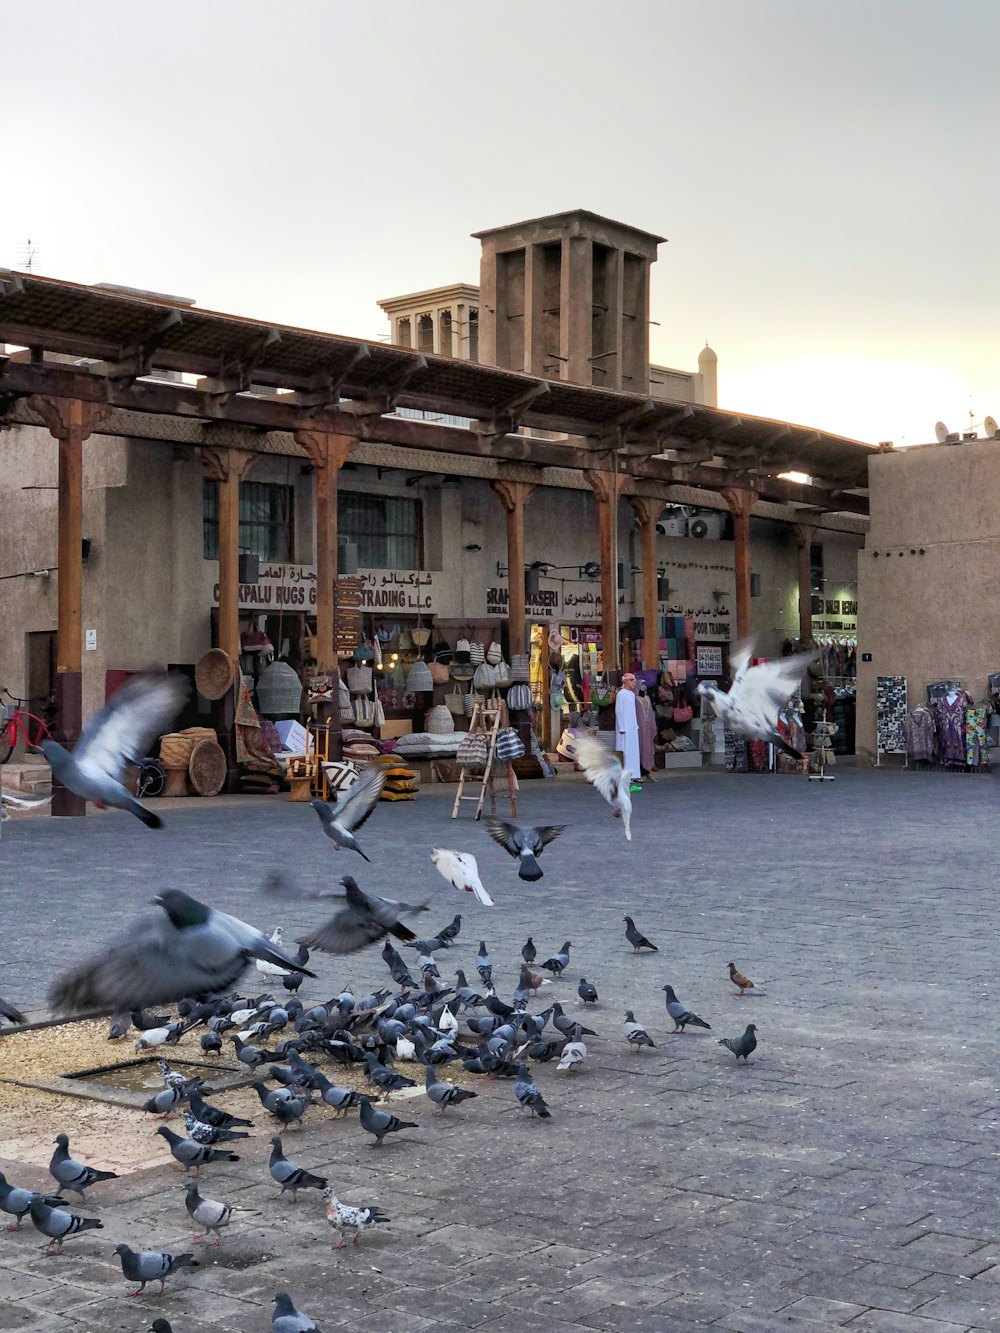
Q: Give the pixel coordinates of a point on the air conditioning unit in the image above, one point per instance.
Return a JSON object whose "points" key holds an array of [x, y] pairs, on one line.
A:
{"points": [[706, 526], [671, 526]]}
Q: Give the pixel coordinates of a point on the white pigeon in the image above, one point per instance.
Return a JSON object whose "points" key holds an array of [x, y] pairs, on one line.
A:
{"points": [[601, 767], [757, 693], [573, 1053], [405, 1049], [461, 871], [343, 1215], [267, 968]]}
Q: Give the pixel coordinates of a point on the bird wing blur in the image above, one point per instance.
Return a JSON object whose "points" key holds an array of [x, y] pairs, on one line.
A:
{"points": [[121, 732], [602, 768], [356, 804]]}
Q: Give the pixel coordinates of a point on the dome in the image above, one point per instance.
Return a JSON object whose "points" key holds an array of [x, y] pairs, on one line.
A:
{"points": [[706, 357]]}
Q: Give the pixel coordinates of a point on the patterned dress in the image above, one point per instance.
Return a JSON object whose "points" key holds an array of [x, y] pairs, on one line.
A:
{"points": [[975, 736], [951, 728]]}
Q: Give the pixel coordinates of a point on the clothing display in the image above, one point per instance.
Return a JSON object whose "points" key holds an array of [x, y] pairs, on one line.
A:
{"points": [[646, 720], [950, 731], [920, 735], [890, 714], [951, 726], [975, 735]]}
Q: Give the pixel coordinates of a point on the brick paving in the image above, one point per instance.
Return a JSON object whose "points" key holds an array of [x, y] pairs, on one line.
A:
{"points": [[848, 1178]]}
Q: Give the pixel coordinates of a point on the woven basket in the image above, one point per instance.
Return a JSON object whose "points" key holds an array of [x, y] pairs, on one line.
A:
{"points": [[300, 789], [175, 749], [207, 768], [439, 721], [198, 734], [214, 674], [175, 780]]}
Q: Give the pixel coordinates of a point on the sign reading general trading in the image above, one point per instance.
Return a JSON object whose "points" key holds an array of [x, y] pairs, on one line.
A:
{"points": [[294, 587]]}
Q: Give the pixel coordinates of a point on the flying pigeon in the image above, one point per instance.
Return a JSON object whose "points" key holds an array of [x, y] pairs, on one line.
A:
{"points": [[602, 768], [681, 1015], [444, 1094], [343, 1215], [289, 1176], [525, 844], [587, 991], [8, 1011], [381, 1123], [144, 1266], [71, 1174], [364, 920], [17, 1201], [57, 1224], [574, 1052], [636, 938], [635, 1034], [461, 870], [558, 963], [184, 949], [528, 1095], [117, 735], [742, 1047], [739, 980], [751, 706], [191, 1154], [351, 810], [207, 1213], [286, 1319]]}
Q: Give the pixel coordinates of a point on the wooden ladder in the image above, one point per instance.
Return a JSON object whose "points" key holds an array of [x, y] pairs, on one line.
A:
{"points": [[486, 719]]}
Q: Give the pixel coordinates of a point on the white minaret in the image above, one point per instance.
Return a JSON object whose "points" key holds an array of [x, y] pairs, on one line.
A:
{"points": [[708, 369]]}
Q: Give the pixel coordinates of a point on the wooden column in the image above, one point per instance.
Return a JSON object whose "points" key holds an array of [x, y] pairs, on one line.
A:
{"points": [[647, 510], [607, 487], [803, 534], [228, 467], [71, 422], [513, 496], [740, 500]]}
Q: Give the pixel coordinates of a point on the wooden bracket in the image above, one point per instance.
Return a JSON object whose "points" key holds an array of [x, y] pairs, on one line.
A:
{"points": [[220, 462], [66, 417]]}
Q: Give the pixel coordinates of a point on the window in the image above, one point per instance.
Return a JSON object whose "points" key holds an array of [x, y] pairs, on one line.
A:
{"points": [[267, 520], [386, 529]]}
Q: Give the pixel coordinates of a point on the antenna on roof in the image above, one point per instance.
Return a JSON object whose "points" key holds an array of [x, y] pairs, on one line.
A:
{"points": [[29, 256]]}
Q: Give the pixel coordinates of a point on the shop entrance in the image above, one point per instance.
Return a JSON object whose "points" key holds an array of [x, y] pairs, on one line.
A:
{"points": [[40, 673]]}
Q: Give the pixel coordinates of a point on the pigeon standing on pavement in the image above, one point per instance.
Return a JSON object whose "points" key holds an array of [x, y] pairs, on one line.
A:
{"points": [[184, 949], [461, 870], [144, 1266], [117, 735], [194, 1155], [739, 980], [742, 1047], [528, 1095], [484, 964], [444, 1094], [636, 938], [587, 991], [342, 1216], [681, 1014], [364, 920], [574, 1052], [564, 1024], [207, 1213], [289, 1176], [524, 844], [757, 693], [286, 1319], [558, 963], [71, 1174], [601, 767], [57, 1224], [381, 1123], [528, 951], [17, 1201], [351, 809], [635, 1034]]}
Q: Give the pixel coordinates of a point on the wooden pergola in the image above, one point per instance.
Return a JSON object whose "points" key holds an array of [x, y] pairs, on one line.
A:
{"points": [[90, 360]]}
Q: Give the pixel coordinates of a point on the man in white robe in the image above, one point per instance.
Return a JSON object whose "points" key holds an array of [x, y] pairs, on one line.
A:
{"points": [[627, 726]]}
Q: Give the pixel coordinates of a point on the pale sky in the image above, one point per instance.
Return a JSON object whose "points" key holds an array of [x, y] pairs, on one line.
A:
{"points": [[826, 174]]}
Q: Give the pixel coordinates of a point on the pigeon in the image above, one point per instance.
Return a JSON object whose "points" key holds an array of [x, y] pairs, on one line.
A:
{"points": [[681, 1015], [215, 1115], [364, 920], [574, 1052], [750, 708], [558, 963], [272, 969], [564, 1024], [168, 1099], [452, 929], [461, 870], [384, 1078], [117, 735], [160, 1326], [251, 1056], [144, 1266], [602, 768], [351, 810], [381, 1123], [636, 938], [525, 844], [72, 1175], [635, 1034], [281, 1103], [200, 1132], [742, 1047], [286, 1319], [10, 1012], [343, 1215], [57, 1224], [191, 1154], [207, 1213], [186, 948], [17, 1201], [288, 1175], [444, 1094], [529, 953], [484, 964], [528, 1095], [587, 991], [397, 967], [739, 980], [341, 1099]]}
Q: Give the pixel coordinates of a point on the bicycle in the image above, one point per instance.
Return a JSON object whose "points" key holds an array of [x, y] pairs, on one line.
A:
{"points": [[14, 720]]}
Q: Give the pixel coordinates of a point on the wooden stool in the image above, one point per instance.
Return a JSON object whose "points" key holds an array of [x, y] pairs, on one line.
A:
{"points": [[175, 783]]}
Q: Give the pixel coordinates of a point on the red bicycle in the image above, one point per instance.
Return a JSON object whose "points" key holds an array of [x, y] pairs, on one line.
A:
{"points": [[16, 720]]}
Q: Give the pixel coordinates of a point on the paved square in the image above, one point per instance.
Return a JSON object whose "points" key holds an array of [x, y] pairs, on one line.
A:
{"points": [[848, 1178]]}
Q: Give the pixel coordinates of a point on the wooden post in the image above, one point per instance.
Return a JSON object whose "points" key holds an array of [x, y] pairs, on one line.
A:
{"points": [[803, 534], [607, 487], [513, 496], [71, 422], [647, 510], [228, 467], [740, 500]]}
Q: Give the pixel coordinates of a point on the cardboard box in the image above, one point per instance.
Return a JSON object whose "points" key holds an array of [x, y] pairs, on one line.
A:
{"points": [[398, 726]]}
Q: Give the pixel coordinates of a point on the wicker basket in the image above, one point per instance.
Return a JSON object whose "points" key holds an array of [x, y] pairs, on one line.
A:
{"points": [[300, 789], [175, 749], [175, 780], [439, 721], [207, 768], [214, 674]]}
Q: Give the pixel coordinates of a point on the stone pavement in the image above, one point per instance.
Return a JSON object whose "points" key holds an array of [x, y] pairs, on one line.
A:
{"points": [[848, 1178]]}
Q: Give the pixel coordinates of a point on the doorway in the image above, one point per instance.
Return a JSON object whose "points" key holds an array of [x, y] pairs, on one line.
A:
{"points": [[40, 674]]}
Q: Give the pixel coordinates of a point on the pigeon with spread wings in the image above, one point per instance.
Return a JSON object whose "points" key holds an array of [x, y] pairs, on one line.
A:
{"points": [[526, 844], [602, 768], [117, 735], [757, 693], [351, 810], [363, 920]]}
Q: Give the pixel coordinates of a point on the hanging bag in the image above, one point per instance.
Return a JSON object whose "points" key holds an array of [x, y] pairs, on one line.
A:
{"points": [[378, 712], [509, 746], [473, 751], [455, 702]]}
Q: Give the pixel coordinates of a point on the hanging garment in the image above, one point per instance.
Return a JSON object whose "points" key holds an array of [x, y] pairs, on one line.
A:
{"points": [[919, 733], [646, 720], [951, 728], [975, 736]]}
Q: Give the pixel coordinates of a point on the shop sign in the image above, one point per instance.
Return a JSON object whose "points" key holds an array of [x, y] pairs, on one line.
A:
{"points": [[397, 590], [541, 605], [293, 588], [708, 660]]}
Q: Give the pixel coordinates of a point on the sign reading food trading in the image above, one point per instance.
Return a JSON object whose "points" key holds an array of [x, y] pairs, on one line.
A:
{"points": [[293, 588]]}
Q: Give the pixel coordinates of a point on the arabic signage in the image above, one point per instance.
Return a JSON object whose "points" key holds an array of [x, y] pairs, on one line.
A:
{"points": [[559, 602], [293, 588]]}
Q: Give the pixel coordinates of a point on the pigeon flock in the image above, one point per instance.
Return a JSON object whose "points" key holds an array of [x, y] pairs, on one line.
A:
{"points": [[189, 960]]}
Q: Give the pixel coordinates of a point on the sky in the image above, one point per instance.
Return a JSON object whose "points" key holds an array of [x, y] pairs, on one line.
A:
{"points": [[826, 175]]}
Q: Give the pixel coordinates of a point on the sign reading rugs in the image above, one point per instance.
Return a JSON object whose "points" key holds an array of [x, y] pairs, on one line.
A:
{"points": [[293, 588]]}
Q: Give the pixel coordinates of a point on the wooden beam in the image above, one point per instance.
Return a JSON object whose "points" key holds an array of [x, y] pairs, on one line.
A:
{"points": [[607, 488], [513, 496], [740, 500], [647, 510], [802, 535], [228, 467]]}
